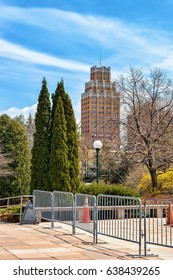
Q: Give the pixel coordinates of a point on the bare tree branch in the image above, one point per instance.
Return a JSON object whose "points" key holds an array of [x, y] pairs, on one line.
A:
{"points": [[148, 105]]}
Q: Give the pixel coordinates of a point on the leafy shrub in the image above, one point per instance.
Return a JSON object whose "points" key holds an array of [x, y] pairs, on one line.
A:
{"points": [[10, 214], [102, 188], [165, 184]]}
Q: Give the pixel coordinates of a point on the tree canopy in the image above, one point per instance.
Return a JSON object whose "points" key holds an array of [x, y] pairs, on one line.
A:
{"points": [[55, 150], [14, 158], [72, 142], [59, 164], [41, 145]]}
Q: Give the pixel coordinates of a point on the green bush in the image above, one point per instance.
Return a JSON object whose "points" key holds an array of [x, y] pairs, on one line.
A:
{"points": [[10, 214], [102, 188]]}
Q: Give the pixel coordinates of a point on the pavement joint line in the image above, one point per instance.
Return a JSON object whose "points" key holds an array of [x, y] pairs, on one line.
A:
{"points": [[95, 251], [81, 241], [62, 239]]}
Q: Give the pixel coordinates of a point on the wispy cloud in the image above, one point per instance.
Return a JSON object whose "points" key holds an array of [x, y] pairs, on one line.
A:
{"points": [[147, 46], [135, 42], [17, 52], [57, 43]]}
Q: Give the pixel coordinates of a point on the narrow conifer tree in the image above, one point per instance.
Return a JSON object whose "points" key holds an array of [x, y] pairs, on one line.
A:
{"points": [[71, 132], [59, 164], [71, 142], [41, 145]]}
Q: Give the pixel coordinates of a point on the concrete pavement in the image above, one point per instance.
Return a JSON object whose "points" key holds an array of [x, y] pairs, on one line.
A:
{"points": [[40, 242]]}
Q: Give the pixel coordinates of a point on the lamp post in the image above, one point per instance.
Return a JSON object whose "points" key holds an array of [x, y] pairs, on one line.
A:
{"points": [[97, 146]]}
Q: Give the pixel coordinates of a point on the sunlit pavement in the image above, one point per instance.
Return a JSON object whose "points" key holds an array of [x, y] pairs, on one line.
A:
{"points": [[40, 242]]}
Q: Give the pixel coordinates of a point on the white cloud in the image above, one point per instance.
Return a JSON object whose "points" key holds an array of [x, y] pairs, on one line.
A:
{"points": [[17, 52], [77, 111], [13, 111], [130, 42], [112, 32], [123, 42]]}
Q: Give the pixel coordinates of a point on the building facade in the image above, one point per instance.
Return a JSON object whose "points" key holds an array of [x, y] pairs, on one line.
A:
{"points": [[100, 108]]}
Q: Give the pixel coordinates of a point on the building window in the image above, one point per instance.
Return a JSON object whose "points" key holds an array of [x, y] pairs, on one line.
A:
{"points": [[93, 112]]}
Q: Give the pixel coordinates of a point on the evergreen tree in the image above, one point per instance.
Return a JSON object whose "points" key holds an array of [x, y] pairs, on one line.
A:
{"points": [[59, 164], [20, 119], [41, 145], [14, 159], [72, 143]]}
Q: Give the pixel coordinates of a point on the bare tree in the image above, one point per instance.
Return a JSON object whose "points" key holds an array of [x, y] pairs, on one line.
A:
{"points": [[148, 119]]}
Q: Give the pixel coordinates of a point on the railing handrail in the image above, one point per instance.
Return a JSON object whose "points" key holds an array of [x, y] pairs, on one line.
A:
{"points": [[9, 203], [9, 197]]}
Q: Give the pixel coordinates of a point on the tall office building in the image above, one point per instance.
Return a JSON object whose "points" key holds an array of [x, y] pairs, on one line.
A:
{"points": [[100, 108]]}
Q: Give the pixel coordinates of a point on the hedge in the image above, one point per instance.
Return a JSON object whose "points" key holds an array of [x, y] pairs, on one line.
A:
{"points": [[102, 188]]}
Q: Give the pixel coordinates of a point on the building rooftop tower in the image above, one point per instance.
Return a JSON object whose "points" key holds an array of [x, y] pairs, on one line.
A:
{"points": [[100, 108]]}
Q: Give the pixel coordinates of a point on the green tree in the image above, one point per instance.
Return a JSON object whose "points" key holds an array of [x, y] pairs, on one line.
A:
{"points": [[72, 142], [116, 172], [41, 145], [15, 158], [71, 132], [20, 119], [59, 164]]}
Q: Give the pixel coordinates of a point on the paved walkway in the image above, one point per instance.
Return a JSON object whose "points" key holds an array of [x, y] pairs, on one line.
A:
{"points": [[40, 242]]}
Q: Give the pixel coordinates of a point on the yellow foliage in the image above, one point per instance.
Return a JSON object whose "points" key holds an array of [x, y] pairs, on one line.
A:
{"points": [[165, 183]]}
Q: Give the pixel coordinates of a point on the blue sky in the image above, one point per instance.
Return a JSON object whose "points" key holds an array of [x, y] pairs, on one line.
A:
{"points": [[62, 39]]}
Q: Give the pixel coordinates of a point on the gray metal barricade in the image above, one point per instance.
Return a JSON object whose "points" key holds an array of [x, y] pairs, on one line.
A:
{"points": [[120, 217], [114, 216], [158, 226], [86, 213], [43, 206], [64, 208]]}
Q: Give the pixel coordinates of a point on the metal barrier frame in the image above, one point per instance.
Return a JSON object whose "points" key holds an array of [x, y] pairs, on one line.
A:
{"points": [[94, 220], [124, 204], [157, 215], [35, 208], [120, 216], [60, 208]]}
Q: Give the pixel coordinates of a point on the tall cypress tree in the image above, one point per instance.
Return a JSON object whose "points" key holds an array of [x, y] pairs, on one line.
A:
{"points": [[72, 143], [41, 145], [59, 164]]}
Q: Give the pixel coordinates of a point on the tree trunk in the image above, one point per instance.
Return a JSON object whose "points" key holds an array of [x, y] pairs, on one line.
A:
{"points": [[153, 179]]}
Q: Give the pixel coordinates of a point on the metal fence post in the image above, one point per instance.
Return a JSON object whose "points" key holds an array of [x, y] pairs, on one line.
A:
{"points": [[52, 218], [145, 232], [21, 202], [74, 216], [95, 221], [140, 228]]}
